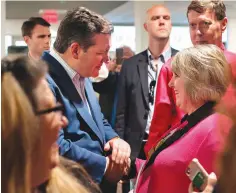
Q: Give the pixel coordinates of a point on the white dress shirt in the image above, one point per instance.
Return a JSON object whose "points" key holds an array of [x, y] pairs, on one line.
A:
{"points": [[77, 80], [154, 75]]}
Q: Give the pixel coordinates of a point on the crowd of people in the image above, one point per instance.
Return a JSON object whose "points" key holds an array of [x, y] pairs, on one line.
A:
{"points": [[157, 111]]}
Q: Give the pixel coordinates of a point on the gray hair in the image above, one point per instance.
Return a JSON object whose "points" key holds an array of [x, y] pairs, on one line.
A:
{"points": [[205, 71]]}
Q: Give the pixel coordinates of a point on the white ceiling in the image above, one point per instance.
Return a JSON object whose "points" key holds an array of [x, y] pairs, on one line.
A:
{"points": [[119, 12], [26, 9], [124, 14]]}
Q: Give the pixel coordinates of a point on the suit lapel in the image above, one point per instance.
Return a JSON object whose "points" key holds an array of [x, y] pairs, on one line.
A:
{"points": [[94, 107], [143, 73], [64, 82], [173, 52]]}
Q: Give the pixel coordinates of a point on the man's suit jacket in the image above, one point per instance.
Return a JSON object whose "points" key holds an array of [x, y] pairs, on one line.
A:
{"points": [[133, 101], [84, 138], [107, 90]]}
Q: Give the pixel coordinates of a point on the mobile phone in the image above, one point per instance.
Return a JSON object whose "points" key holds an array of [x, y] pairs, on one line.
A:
{"points": [[119, 55], [197, 174]]}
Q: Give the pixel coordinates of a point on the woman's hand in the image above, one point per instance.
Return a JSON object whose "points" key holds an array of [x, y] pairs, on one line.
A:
{"points": [[210, 184]]}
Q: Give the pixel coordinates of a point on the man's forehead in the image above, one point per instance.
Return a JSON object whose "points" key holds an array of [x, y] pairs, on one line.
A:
{"points": [[206, 15], [158, 10], [39, 29], [102, 40]]}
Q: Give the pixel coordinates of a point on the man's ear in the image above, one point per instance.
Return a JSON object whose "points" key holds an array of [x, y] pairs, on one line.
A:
{"points": [[224, 24], [145, 26], [26, 39], [75, 50]]}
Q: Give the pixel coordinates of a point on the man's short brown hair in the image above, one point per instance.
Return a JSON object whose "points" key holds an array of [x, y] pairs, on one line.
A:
{"points": [[80, 25], [28, 26], [201, 6]]}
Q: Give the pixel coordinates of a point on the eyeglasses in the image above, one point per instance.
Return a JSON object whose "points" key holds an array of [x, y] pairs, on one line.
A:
{"points": [[151, 91], [54, 109]]}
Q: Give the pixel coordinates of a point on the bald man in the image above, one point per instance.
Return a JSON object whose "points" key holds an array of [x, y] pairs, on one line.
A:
{"points": [[139, 75]]}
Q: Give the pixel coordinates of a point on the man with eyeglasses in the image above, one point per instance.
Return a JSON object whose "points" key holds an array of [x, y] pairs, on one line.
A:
{"points": [[136, 87], [207, 21]]}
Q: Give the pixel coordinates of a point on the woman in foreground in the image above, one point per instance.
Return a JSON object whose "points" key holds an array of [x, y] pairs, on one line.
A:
{"points": [[30, 123]]}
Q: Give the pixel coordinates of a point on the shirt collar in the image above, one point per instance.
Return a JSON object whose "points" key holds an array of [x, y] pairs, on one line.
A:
{"points": [[166, 54], [202, 112], [72, 73]]}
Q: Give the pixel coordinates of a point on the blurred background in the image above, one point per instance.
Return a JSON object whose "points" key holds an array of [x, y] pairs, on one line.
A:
{"points": [[127, 17]]}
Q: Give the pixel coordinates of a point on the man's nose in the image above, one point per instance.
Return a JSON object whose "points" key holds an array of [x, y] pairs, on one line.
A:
{"points": [[161, 21], [199, 31], [47, 40]]}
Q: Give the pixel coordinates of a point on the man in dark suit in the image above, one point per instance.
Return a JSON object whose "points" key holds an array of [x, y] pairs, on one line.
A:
{"points": [[37, 36], [137, 82], [81, 46]]}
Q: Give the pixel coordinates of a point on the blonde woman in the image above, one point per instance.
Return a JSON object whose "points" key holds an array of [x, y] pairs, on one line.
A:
{"points": [[18, 135], [29, 131]]}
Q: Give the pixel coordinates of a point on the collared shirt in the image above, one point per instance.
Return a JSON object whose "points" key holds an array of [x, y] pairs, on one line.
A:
{"points": [[75, 77], [152, 75]]}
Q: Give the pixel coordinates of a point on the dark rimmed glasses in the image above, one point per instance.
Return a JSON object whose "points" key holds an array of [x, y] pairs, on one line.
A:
{"points": [[54, 109]]}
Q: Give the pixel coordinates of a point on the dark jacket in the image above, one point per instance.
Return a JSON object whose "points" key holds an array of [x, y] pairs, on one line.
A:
{"points": [[133, 101]]}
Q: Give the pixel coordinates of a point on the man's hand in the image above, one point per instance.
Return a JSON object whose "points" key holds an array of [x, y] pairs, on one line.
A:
{"points": [[210, 184], [120, 150], [112, 65], [114, 172]]}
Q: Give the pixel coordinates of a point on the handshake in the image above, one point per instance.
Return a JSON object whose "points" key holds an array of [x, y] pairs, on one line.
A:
{"points": [[118, 163]]}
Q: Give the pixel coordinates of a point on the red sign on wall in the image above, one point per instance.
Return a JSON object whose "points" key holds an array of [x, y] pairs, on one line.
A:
{"points": [[50, 15]]}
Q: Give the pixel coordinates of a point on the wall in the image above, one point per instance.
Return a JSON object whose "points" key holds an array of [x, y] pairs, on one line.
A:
{"points": [[13, 27]]}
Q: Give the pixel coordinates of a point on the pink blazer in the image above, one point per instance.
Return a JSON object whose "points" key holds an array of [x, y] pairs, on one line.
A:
{"points": [[167, 174]]}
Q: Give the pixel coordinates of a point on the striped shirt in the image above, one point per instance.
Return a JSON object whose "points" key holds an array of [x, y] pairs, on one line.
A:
{"points": [[77, 80]]}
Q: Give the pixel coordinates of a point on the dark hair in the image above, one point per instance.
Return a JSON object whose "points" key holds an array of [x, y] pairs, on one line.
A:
{"points": [[80, 25], [27, 72], [29, 25], [201, 6]]}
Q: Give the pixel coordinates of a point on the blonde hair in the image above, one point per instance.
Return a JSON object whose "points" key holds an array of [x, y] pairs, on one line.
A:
{"points": [[80, 174], [18, 128], [205, 71], [61, 181]]}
